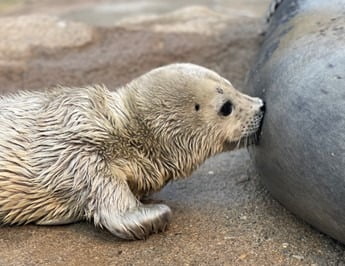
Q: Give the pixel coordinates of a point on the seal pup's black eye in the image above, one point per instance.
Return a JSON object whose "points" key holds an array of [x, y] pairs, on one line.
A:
{"points": [[226, 109], [197, 107]]}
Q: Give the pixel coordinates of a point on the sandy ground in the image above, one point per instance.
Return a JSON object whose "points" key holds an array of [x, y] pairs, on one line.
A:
{"points": [[223, 215]]}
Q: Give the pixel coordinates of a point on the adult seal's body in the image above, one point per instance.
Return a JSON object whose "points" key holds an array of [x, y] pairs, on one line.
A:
{"points": [[300, 72], [88, 153]]}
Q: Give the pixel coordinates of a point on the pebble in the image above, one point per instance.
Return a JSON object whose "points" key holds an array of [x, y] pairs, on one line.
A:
{"points": [[229, 237], [298, 257], [62, 24]]}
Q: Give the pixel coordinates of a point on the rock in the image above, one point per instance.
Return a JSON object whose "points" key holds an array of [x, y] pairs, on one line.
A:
{"points": [[20, 36], [300, 74], [192, 19], [298, 257], [42, 51]]}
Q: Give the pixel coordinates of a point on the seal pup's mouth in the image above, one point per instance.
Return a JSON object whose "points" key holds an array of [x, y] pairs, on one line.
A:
{"points": [[258, 133]]}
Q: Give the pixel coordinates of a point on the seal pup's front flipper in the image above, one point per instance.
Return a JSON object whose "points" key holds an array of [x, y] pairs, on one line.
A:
{"points": [[114, 206]]}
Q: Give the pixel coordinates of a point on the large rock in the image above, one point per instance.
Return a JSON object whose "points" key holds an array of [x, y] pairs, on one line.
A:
{"points": [[41, 51], [300, 72]]}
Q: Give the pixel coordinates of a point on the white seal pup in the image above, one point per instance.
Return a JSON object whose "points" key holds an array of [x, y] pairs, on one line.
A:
{"points": [[71, 154]]}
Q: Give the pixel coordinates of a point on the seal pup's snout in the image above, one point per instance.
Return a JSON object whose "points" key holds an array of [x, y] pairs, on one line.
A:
{"points": [[260, 108], [263, 107], [259, 105], [252, 124]]}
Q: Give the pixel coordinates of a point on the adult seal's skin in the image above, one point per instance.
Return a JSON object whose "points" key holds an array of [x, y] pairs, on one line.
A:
{"points": [[300, 73], [88, 153]]}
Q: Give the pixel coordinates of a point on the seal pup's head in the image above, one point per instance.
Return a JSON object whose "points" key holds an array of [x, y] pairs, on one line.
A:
{"points": [[193, 102], [191, 113]]}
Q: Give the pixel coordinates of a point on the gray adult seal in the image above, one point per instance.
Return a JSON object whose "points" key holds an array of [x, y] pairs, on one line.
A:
{"points": [[87, 153], [300, 73]]}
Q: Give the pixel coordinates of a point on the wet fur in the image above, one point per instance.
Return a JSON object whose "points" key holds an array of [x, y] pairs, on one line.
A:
{"points": [[71, 154]]}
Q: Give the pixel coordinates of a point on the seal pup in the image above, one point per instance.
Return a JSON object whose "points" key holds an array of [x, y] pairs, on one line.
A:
{"points": [[72, 154]]}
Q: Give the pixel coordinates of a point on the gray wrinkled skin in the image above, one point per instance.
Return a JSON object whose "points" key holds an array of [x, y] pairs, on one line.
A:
{"points": [[87, 153]]}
